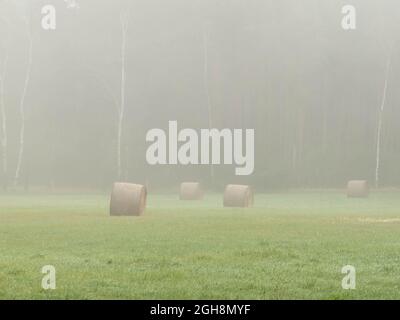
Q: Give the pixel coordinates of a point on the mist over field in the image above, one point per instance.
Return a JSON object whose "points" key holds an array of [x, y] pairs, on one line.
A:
{"points": [[311, 91], [199, 149]]}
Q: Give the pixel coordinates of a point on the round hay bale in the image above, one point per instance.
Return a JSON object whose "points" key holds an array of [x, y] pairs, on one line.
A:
{"points": [[238, 196], [357, 189], [191, 191], [128, 199]]}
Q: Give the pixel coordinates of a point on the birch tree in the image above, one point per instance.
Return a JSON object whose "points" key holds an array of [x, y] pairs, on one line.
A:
{"points": [[206, 88], [4, 138], [3, 115], [124, 18], [22, 108], [380, 123]]}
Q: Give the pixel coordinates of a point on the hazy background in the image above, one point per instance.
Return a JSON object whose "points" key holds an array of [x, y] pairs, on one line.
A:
{"points": [[311, 90]]}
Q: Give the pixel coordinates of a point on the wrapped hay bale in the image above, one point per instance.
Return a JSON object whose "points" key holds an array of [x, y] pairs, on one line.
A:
{"points": [[191, 191], [238, 196], [128, 199], [357, 189]]}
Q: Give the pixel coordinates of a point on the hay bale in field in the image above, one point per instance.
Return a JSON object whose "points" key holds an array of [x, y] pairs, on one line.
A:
{"points": [[128, 199], [357, 189], [238, 196], [191, 191]]}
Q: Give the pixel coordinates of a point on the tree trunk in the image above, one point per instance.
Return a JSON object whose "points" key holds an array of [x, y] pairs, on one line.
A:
{"points": [[22, 113], [380, 124], [124, 28], [4, 138], [207, 91]]}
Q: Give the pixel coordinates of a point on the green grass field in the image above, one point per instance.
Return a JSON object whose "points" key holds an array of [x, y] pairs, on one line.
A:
{"points": [[289, 246]]}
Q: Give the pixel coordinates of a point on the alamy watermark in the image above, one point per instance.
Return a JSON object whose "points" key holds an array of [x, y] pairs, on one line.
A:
{"points": [[187, 146], [349, 281], [49, 14], [49, 280], [349, 21]]}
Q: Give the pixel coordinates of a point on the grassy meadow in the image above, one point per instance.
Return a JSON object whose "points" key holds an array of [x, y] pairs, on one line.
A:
{"points": [[289, 246]]}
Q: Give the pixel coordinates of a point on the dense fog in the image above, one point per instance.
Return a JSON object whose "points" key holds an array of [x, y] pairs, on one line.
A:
{"points": [[323, 101]]}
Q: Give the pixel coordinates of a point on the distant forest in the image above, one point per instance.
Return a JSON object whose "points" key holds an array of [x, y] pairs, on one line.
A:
{"points": [[312, 91]]}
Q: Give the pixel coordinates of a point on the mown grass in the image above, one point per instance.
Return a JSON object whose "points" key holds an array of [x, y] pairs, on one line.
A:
{"points": [[289, 246]]}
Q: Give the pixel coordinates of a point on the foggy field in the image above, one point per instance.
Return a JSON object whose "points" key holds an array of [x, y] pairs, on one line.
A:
{"points": [[289, 246], [135, 135]]}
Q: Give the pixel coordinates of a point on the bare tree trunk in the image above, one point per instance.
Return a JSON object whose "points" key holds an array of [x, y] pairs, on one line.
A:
{"points": [[380, 123], [124, 28], [206, 88], [4, 138], [22, 113]]}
